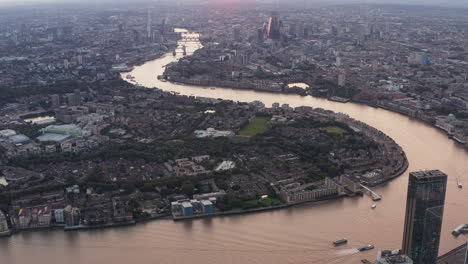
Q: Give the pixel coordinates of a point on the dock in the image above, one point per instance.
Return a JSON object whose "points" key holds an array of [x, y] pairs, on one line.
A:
{"points": [[459, 184], [372, 194]]}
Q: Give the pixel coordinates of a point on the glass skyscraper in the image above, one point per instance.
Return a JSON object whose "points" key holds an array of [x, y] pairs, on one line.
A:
{"points": [[424, 213]]}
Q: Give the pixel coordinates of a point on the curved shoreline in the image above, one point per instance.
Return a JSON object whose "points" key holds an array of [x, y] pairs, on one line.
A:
{"points": [[177, 81]]}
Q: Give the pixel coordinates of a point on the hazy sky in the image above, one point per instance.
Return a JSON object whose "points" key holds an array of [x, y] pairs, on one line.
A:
{"points": [[448, 3]]}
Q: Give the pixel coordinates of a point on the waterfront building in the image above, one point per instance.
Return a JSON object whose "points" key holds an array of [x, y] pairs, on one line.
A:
{"points": [[187, 209], [59, 216], [193, 207], [458, 255], [294, 192], [207, 207], [3, 224], [24, 218], [393, 257], [44, 217], [72, 216], [424, 212]]}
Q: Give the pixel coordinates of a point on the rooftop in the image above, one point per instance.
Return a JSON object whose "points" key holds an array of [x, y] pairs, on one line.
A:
{"points": [[52, 137], [428, 174]]}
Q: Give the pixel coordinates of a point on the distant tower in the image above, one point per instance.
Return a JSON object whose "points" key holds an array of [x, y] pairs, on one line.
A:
{"points": [[236, 31], [424, 212], [74, 99], [341, 79], [273, 28], [292, 28], [375, 65], [55, 99], [338, 61], [148, 26]]}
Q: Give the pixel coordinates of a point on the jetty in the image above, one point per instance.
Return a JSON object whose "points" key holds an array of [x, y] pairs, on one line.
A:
{"points": [[372, 194]]}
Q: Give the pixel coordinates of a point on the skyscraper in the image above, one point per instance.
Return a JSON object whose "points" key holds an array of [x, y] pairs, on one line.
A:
{"points": [[236, 30], [273, 28], [458, 255], [74, 99], [341, 79], [148, 26], [55, 100], [424, 212]]}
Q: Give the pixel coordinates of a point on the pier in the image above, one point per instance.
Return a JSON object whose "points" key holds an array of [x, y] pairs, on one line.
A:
{"points": [[372, 194]]}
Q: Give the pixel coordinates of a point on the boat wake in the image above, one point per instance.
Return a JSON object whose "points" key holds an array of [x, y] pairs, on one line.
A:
{"points": [[344, 252]]}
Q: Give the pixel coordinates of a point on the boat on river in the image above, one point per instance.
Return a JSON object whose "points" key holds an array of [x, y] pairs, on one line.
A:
{"points": [[338, 99], [373, 206], [340, 242], [365, 248]]}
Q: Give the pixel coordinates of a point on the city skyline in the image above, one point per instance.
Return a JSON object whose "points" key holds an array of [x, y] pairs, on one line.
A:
{"points": [[308, 3]]}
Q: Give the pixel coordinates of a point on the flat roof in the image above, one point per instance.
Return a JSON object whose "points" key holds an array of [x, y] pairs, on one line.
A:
{"points": [[186, 204], [19, 138], [53, 137]]}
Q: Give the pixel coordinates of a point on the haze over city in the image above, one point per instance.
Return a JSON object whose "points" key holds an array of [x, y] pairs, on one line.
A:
{"points": [[450, 3]]}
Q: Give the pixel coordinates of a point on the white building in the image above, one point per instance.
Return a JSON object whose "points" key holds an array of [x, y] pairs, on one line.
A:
{"points": [[341, 80], [213, 133], [3, 225], [59, 216]]}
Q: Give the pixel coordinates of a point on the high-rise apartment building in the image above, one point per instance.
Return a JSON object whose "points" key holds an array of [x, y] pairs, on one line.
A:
{"points": [[424, 212]]}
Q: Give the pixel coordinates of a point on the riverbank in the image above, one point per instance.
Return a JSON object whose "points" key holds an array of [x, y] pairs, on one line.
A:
{"points": [[241, 86], [418, 118], [256, 210], [236, 85], [87, 227]]}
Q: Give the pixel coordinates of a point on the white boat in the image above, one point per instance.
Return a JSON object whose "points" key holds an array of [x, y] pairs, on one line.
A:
{"points": [[373, 206], [459, 184]]}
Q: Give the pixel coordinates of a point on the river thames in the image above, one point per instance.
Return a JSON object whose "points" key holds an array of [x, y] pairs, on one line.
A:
{"points": [[300, 234]]}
